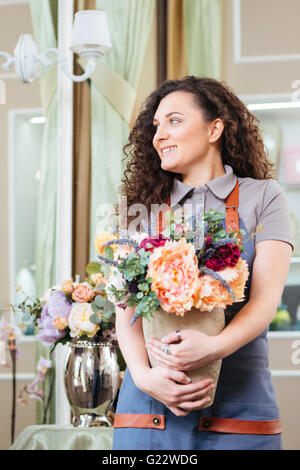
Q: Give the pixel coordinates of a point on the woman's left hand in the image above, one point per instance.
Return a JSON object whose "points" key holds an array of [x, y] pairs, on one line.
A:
{"points": [[195, 349]]}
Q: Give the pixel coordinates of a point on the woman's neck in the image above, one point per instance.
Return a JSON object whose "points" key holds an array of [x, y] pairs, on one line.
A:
{"points": [[202, 174]]}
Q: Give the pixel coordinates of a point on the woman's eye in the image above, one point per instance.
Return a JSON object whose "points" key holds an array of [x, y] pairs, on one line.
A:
{"points": [[175, 120]]}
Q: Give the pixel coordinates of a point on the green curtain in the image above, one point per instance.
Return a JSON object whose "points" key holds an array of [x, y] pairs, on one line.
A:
{"points": [[203, 33], [116, 81], [44, 20]]}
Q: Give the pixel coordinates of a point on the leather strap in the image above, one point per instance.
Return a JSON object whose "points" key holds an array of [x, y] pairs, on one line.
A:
{"points": [[240, 426], [232, 209], [225, 425], [139, 421]]}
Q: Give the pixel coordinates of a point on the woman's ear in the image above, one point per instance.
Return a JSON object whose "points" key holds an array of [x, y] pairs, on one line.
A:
{"points": [[216, 129]]}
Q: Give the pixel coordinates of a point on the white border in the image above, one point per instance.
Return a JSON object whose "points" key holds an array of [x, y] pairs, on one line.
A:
{"points": [[12, 114], [237, 43]]}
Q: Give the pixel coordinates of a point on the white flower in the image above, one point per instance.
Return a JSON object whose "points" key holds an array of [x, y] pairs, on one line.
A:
{"points": [[115, 280], [79, 320]]}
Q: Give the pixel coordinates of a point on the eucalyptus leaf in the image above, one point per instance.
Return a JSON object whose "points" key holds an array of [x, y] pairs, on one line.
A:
{"points": [[100, 286], [94, 307], [108, 308], [93, 268], [99, 301], [95, 319]]}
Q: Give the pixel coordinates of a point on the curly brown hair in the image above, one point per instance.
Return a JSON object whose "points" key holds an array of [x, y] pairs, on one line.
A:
{"points": [[242, 147]]}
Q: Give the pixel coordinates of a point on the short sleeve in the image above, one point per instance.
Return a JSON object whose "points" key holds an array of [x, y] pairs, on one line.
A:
{"points": [[274, 220]]}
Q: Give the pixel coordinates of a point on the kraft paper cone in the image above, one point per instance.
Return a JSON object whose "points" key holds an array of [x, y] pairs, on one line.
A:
{"points": [[211, 323]]}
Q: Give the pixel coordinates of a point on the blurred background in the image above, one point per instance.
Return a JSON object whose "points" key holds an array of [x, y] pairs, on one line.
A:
{"points": [[61, 148]]}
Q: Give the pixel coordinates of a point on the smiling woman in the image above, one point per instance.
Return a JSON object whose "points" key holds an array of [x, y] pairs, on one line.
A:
{"points": [[196, 139], [184, 139], [195, 115]]}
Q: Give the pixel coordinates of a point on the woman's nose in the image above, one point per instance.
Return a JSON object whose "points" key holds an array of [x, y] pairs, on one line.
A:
{"points": [[161, 133]]}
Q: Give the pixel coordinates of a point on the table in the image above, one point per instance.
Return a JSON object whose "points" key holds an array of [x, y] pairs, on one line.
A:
{"points": [[63, 437]]}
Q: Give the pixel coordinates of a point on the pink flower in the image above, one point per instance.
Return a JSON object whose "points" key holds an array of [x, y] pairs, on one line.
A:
{"points": [[67, 287], [174, 272], [60, 323], [83, 293]]}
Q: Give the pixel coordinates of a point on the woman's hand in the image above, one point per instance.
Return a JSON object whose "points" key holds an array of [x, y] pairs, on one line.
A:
{"points": [[195, 349], [174, 389]]}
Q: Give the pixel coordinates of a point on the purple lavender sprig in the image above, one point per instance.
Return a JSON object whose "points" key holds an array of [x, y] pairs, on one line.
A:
{"points": [[211, 272], [108, 261], [134, 318], [123, 241], [222, 242]]}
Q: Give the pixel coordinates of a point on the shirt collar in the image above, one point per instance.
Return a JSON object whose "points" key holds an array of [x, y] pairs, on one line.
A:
{"points": [[221, 187]]}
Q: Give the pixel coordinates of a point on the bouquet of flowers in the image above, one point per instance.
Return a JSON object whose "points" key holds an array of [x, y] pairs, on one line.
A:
{"points": [[72, 310], [183, 277], [166, 270]]}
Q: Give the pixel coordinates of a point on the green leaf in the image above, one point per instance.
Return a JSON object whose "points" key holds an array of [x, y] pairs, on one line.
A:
{"points": [[100, 287], [99, 301], [108, 308], [140, 295], [109, 252], [93, 268], [95, 319], [94, 307]]}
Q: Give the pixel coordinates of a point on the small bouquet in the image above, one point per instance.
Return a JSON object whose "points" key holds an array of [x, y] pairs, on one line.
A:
{"points": [[72, 310], [166, 270]]}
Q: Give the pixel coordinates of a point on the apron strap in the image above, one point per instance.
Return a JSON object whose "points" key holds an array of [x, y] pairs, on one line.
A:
{"points": [[240, 426], [232, 209]]}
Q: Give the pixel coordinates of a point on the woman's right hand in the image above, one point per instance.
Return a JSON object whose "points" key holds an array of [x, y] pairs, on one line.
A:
{"points": [[174, 389]]}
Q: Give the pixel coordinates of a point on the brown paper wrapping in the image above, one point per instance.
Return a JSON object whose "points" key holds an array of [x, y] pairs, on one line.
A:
{"points": [[211, 323]]}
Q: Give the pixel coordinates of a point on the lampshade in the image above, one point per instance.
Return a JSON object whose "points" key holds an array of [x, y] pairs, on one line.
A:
{"points": [[90, 34]]}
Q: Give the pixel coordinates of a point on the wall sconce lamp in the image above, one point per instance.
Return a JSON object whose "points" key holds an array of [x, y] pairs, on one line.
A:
{"points": [[90, 39]]}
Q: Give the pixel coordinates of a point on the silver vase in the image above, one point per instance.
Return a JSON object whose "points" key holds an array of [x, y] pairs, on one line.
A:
{"points": [[91, 381]]}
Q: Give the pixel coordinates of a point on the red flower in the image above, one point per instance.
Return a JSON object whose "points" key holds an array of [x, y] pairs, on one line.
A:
{"points": [[215, 263], [227, 256], [230, 253], [155, 241], [208, 241]]}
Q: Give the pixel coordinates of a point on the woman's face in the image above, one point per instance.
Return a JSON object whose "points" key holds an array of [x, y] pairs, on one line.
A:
{"points": [[182, 137]]}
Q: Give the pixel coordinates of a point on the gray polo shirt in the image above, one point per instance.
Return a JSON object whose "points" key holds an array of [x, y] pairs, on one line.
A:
{"points": [[263, 204]]}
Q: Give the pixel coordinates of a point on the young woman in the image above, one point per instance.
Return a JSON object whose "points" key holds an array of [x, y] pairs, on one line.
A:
{"points": [[195, 138]]}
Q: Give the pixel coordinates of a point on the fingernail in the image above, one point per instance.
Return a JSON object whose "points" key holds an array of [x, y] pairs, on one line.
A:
{"points": [[163, 339], [188, 380]]}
